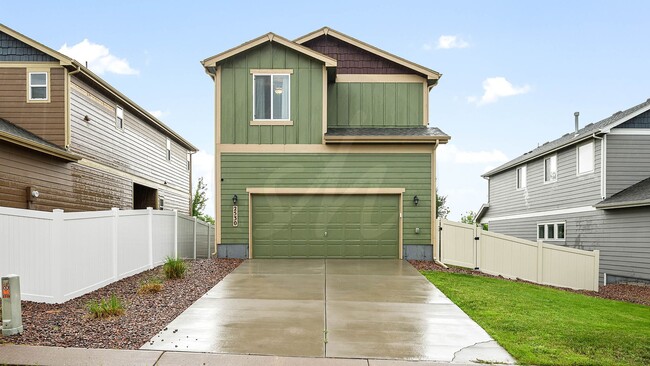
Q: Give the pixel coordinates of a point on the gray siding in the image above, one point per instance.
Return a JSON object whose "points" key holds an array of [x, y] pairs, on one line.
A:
{"points": [[622, 236], [138, 149], [570, 189], [628, 161], [12, 49]]}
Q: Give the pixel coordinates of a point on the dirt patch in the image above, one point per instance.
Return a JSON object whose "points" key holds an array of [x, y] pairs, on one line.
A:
{"points": [[68, 324], [634, 293]]}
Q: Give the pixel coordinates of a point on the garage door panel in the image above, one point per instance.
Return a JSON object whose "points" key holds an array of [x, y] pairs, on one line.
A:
{"points": [[357, 226]]}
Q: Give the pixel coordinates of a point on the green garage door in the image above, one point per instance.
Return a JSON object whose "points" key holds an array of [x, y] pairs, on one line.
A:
{"points": [[325, 226]]}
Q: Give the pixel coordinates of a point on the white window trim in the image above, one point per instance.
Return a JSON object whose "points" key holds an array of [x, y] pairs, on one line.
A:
{"points": [[593, 166], [271, 121], [168, 151], [555, 224], [557, 169], [47, 86], [119, 113], [524, 169]]}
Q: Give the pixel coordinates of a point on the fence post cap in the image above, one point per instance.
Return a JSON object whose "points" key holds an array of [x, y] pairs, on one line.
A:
{"points": [[114, 209], [149, 208], [57, 210]]}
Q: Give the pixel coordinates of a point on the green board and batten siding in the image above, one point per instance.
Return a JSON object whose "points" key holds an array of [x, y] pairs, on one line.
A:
{"points": [[237, 97], [409, 171], [332, 226], [358, 104]]}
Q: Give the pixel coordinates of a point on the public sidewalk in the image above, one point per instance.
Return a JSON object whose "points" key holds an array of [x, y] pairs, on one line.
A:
{"points": [[37, 355]]}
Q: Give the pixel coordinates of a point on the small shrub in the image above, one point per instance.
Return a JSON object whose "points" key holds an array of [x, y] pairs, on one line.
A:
{"points": [[106, 308], [174, 268], [150, 286]]}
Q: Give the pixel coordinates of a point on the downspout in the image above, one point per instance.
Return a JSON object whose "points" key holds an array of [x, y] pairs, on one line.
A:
{"points": [[437, 219], [603, 168], [68, 117]]}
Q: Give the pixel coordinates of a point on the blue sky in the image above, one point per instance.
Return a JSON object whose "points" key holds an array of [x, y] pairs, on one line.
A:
{"points": [[513, 71]]}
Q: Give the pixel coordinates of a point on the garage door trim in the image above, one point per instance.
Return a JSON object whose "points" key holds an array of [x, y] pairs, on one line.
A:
{"points": [[324, 191]]}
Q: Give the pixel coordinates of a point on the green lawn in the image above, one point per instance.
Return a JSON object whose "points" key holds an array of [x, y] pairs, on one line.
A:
{"points": [[544, 326]]}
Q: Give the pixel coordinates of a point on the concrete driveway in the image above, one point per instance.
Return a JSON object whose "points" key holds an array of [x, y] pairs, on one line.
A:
{"points": [[342, 308]]}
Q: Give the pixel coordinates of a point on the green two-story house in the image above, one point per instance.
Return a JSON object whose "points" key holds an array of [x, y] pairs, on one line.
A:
{"points": [[323, 150]]}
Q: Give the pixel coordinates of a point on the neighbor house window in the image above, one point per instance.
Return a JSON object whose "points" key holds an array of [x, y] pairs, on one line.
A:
{"points": [[551, 231], [521, 177], [550, 169], [586, 158], [38, 86], [169, 150], [119, 117], [189, 161], [271, 95]]}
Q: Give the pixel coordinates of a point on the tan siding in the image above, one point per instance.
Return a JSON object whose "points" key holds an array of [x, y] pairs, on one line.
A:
{"points": [[47, 120], [138, 149]]}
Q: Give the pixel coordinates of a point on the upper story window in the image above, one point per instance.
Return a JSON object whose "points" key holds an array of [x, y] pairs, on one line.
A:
{"points": [[271, 96], [189, 160], [586, 158], [550, 169], [119, 117], [551, 231], [38, 88], [169, 150], [521, 177]]}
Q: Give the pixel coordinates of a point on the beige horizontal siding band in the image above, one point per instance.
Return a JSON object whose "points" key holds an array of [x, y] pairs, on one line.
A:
{"points": [[325, 149], [317, 190]]}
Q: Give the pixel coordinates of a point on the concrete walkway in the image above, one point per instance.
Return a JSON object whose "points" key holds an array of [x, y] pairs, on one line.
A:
{"points": [[34, 355], [356, 309]]}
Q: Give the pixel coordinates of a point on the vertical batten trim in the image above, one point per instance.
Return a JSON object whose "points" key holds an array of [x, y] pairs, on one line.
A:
{"points": [[250, 225], [324, 117], [401, 226], [425, 103]]}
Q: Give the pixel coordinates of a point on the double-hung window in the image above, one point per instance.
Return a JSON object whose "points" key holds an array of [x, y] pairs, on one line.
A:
{"points": [[551, 231], [586, 158], [38, 88], [550, 169], [521, 177], [119, 117], [168, 154], [271, 97]]}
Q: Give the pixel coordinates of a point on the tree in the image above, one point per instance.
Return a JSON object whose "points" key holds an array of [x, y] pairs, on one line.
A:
{"points": [[468, 218], [199, 200], [441, 206]]}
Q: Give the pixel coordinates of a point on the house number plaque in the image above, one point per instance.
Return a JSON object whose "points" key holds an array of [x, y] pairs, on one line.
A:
{"points": [[235, 216]]}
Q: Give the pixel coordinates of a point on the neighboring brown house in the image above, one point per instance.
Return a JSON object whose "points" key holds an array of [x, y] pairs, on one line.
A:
{"points": [[69, 140]]}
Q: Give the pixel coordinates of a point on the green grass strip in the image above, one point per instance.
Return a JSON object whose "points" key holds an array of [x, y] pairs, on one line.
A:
{"points": [[544, 326]]}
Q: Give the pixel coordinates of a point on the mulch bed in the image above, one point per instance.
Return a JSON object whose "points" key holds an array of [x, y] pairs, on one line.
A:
{"points": [[68, 324], [634, 293]]}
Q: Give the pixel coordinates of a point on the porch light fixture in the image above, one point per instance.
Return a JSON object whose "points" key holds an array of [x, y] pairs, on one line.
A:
{"points": [[416, 200], [234, 199]]}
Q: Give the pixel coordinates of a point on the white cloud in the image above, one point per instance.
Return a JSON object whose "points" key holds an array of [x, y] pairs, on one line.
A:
{"points": [[453, 154], [447, 42], [203, 166], [98, 57], [158, 113], [495, 88]]}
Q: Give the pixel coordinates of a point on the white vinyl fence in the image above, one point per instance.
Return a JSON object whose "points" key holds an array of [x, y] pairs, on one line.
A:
{"points": [[497, 254], [60, 255]]}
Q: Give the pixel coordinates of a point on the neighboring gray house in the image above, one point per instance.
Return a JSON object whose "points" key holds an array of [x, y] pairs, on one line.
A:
{"points": [[589, 189]]}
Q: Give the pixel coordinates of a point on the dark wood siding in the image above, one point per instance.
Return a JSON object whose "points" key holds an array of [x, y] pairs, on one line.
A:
{"points": [[61, 184], [138, 149], [354, 60], [46, 120]]}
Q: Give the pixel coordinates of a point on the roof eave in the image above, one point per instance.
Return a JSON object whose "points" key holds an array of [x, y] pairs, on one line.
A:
{"points": [[387, 139], [629, 204], [16, 140], [269, 37], [481, 212]]}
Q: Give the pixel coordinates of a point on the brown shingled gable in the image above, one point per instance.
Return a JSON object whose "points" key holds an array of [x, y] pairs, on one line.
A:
{"points": [[354, 60]]}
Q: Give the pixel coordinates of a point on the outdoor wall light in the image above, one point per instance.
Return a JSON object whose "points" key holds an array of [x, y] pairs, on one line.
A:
{"points": [[234, 199], [416, 200], [35, 194]]}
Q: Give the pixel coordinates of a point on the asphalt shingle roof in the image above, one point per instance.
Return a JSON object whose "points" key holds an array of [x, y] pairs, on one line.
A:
{"points": [[635, 195], [10, 128], [568, 138], [395, 131]]}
